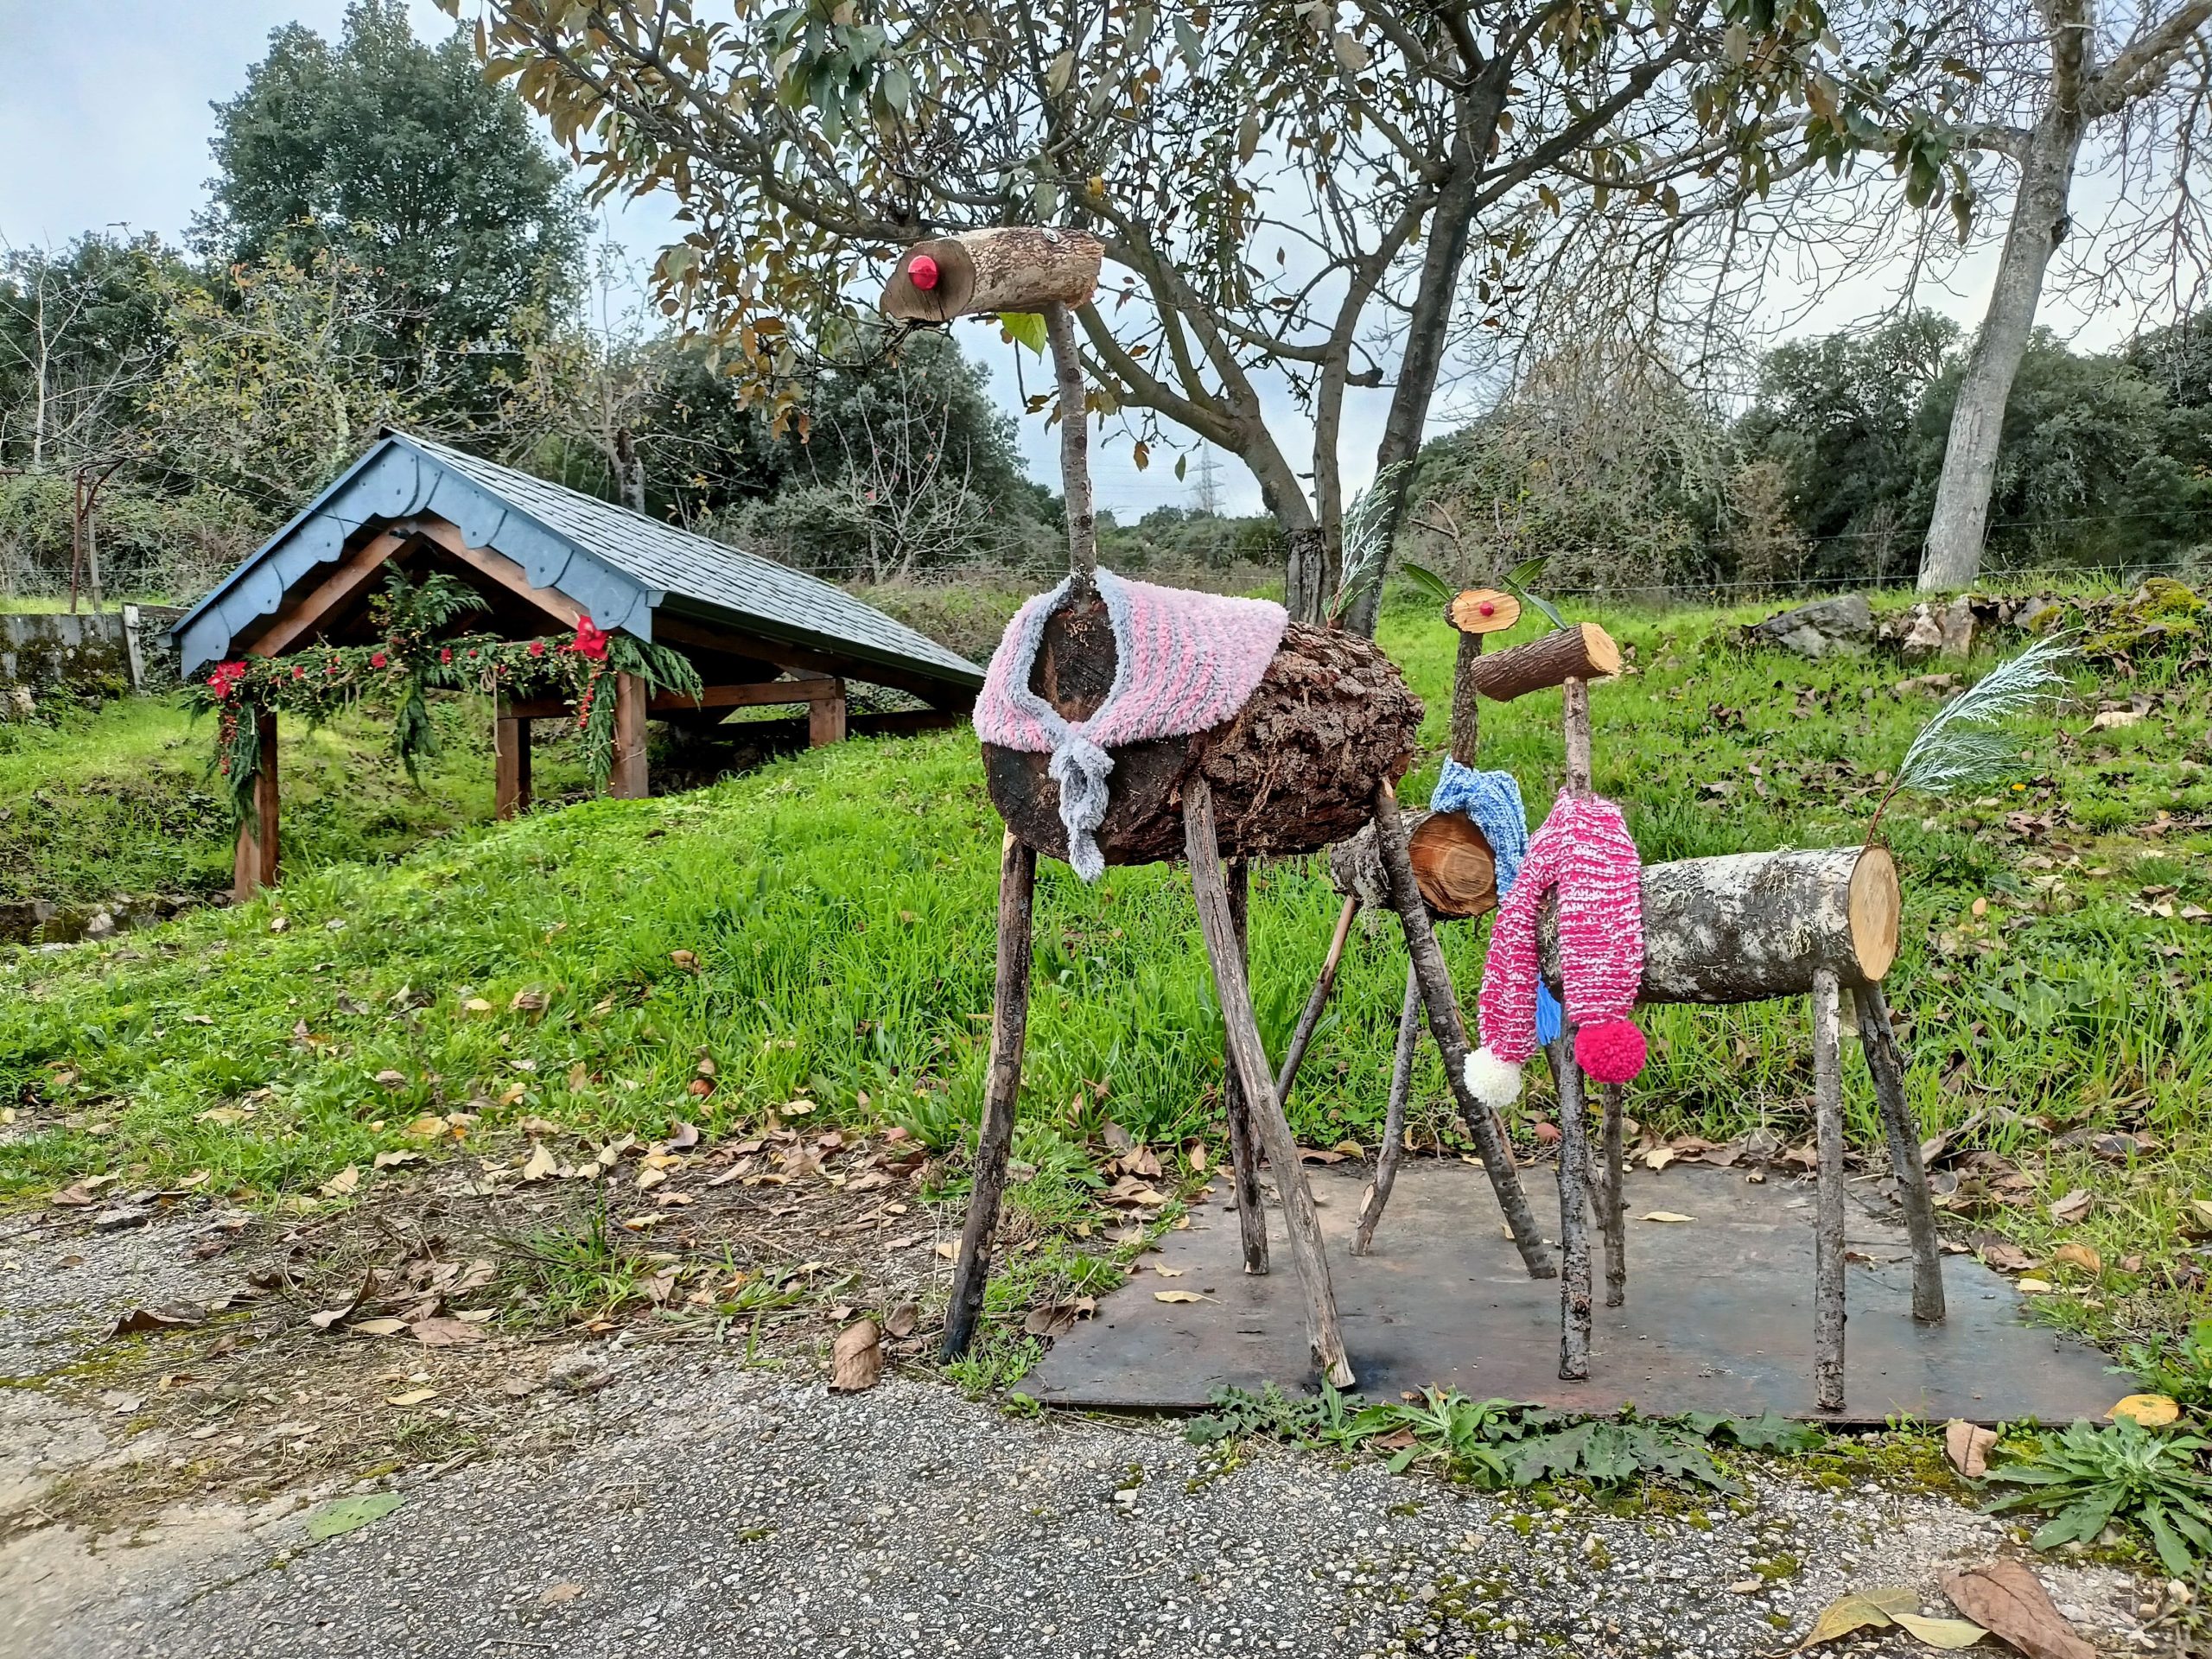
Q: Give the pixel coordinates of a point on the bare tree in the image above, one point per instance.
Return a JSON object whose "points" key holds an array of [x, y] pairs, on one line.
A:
{"points": [[1293, 192], [2055, 78]]}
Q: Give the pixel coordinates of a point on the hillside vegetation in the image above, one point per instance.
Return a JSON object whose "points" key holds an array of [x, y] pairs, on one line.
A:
{"points": [[820, 930]]}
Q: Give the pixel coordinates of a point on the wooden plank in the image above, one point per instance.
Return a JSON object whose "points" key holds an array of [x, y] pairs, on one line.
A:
{"points": [[254, 863], [1009, 1031], [627, 780], [499, 568], [1301, 1220], [511, 766], [300, 616], [825, 718], [673, 630], [751, 693], [1828, 1233]]}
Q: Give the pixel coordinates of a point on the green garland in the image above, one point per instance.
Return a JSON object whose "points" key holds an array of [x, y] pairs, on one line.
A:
{"points": [[411, 660]]}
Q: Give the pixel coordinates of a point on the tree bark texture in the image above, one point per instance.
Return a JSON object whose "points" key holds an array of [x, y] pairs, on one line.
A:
{"points": [[1309, 574], [1010, 268], [1612, 1206], [1309, 1019], [1953, 555], [1075, 438], [1301, 1220], [1376, 1198], [1466, 706], [1292, 772], [1749, 926], [1584, 652], [1009, 1032], [1574, 1313], [1879, 1039], [1828, 1237], [1442, 1003], [1244, 1140]]}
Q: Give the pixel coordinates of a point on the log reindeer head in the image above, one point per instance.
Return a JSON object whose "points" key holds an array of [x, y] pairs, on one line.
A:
{"points": [[1011, 268]]}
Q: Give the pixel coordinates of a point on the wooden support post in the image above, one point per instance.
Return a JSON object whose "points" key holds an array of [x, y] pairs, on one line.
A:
{"points": [[1009, 1030], [627, 780], [1574, 1226], [1377, 1196], [1612, 1202], [826, 717], [254, 865], [1886, 1062], [1243, 1141], [511, 766], [1301, 1220], [1444, 1023], [1324, 985], [1828, 1237]]}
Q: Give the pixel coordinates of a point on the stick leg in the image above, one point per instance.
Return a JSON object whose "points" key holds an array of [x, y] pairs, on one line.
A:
{"points": [[1394, 1121], [1444, 1023], [1301, 1220], [1828, 1237], [1009, 1030], [1243, 1145], [1612, 1202], [1886, 1061], [1574, 1226], [1316, 1005]]}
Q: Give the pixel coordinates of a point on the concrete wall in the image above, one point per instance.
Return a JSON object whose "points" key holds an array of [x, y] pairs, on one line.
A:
{"points": [[90, 654]]}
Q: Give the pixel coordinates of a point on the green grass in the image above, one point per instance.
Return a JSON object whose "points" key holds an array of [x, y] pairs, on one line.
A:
{"points": [[837, 908]]}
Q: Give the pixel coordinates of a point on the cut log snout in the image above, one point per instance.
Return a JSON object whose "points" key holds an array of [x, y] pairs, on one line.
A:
{"points": [[1584, 652], [1454, 866], [1011, 268], [1292, 772], [1482, 610], [1749, 926]]}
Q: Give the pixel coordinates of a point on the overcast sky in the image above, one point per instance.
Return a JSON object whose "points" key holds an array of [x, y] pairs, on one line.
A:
{"points": [[105, 122]]}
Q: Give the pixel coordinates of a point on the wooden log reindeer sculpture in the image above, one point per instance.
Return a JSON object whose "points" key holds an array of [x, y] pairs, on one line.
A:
{"points": [[1126, 724], [1743, 928]]}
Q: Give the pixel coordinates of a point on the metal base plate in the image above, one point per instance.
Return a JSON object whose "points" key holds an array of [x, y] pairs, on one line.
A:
{"points": [[1719, 1314]]}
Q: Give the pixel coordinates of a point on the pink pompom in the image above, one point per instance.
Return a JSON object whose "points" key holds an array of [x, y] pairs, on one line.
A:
{"points": [[1611, 1050]]}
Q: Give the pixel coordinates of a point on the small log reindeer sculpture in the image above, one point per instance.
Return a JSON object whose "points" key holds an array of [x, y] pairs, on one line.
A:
{"points": [[1308, 759]]}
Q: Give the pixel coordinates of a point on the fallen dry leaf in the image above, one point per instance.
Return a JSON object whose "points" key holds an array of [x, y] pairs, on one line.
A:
{"points": [[950, 1250], [2113, 719], [1179, 1296], [1666, 1215], [2149, 1410], [388, 1160], [2033, 1287], [1967, 1446], [540, 1165], [1946, 1633], [2004, 1596], [856, 1359], [1057, 1319], [527, 1003], [444, 1333], [1843, 1615], [2080, 1255], [553, 1594], [412, 1397], [1169, 1273], [901, 1320], [376, 1327], [2074, 1205], [172, 1317], [392, 1079], [344, 1183]]}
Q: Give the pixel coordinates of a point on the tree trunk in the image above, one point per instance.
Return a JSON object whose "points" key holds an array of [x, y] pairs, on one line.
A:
{"points": [[1294, 770], [629, 470], [1075, 430], [1309, 580], [1952, 558]]}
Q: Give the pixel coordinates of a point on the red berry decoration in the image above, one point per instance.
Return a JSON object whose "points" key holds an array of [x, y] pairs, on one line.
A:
{"points": [[1487, 608], [922, 272]]}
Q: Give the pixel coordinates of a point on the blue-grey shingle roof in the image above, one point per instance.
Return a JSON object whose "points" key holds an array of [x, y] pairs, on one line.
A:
{"points": [[619, 565]]}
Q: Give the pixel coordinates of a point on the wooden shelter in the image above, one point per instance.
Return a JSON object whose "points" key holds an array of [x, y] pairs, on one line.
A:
{"points": [[542, 557]]}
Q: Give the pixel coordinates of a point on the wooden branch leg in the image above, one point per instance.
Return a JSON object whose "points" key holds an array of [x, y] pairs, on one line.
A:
{"points": [[1573, 1224], [1828, 1237], [1301, 1220], [1243, 1143], [1886, 1061], [1316, 1005], [1377, 1196], [1444, 1023], [1009, 1030], [1613, 1201]]}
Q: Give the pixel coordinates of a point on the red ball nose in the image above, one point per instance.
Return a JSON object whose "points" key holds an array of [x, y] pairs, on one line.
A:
{"points": [[921, 270]]}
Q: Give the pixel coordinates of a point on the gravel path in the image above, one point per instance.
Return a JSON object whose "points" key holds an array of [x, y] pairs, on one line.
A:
{"points": [[709, 1511]]}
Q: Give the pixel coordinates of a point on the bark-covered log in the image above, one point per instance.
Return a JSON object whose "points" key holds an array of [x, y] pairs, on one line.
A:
{"points": [[1752, 925], [1829, 1312], [1454, 867], [1012, 267], [1584, 652], [1294, 772]]}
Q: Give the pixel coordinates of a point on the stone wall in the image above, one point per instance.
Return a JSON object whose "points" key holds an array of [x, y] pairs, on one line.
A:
{"points": [[88, 656]]}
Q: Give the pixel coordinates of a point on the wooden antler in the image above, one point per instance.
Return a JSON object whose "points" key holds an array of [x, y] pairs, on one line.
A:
{"points": [[1584, 652]]}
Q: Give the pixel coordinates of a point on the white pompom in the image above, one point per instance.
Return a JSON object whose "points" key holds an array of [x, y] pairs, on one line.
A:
{"points": [[1492, 1081]]}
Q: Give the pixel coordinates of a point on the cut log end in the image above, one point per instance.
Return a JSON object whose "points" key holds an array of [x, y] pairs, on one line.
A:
{"points": [[1482, 610], [1454, 868], [1875, 904], [1010, 268]]}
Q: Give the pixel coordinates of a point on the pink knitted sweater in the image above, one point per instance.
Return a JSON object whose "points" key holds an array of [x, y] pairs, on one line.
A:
{"points": [[1183, 661], [1585, 852]]}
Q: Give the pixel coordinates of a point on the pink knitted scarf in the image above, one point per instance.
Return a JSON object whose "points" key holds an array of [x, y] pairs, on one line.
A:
{"points": [[1584, 853], [1182, 662]]}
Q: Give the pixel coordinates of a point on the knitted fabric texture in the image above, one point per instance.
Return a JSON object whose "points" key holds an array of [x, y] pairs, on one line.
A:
{"points": [[1182, 662], [1491, 801], [1583, 851]]}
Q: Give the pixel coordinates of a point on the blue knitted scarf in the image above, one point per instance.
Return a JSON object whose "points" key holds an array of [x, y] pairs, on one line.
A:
{"points": [[1491, 801]]}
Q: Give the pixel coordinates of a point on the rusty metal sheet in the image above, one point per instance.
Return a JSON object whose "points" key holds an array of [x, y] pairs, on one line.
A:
{"points": [[1719, 1314]]}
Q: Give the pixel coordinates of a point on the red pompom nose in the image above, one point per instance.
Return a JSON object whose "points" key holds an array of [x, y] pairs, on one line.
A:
{"points": [[921, 270]]}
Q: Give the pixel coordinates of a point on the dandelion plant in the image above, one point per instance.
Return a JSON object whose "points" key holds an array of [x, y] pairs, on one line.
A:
{"points": [[1965, 746]]}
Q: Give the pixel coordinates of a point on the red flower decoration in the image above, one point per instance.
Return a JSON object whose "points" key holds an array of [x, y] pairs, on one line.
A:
{"points": [[299, 673], [446, 655], [377, 661], [590, 641], [537, 647]]}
